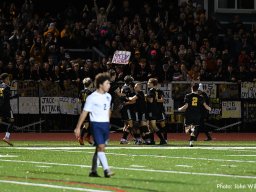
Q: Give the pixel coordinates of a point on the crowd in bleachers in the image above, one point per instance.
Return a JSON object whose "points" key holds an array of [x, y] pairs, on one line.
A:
{"points": [[167, 41]]}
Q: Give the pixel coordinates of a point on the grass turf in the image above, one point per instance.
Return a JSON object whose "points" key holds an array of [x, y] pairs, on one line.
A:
{"points": [[64, 166]]}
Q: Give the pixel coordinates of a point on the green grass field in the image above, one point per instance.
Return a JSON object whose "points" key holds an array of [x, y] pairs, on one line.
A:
{"points": [[64, 166]]}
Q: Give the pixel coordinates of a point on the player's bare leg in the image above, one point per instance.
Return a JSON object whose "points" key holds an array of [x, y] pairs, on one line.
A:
{"points": [[154, 129], [6, 138], [126, 131]]}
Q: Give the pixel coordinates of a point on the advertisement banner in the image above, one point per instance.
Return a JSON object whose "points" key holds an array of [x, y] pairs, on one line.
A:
{"points": [[210, 89], [248, 90], [28, 105], [231, 109], [249, 112], [215, 113], [50, 105], [69, 106], [14, 105]]}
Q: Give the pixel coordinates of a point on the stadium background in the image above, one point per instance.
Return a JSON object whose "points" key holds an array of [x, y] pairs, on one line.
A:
{"points": [[197, 40]]}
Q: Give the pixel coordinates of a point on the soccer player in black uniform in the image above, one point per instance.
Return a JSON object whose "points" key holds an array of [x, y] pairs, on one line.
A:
{"points": [[140, 113], [161, 113], [193, 112], [205, 114], [152, 108], [5, 106], [87, 82], [127, 108]]}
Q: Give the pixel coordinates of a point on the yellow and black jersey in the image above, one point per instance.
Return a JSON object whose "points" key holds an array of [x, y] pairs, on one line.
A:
{"points": [[194, 111], [83, 96], [5, 96]]}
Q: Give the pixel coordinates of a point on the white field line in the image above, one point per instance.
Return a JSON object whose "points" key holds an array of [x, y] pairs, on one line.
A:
{"points": [[172, 157], [50, 186], [134, 148], [43, 166], [136, 169], [137, 166], [241, 155], [187, 166], [228, 166], [8, 156]]}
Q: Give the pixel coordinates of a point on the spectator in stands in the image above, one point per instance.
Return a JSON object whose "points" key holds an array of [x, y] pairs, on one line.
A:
{"points": [[242, 74], [46, 74], [231, 74], [101, 13]]}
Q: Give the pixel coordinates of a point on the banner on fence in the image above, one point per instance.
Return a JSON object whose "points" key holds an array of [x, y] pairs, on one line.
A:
{"points": [[121, 57], [210, 89], [228, 91], [50, 105], [215, 113], [28, 105], [14, 105], [169, 106], [231, 109], [249, 112], [69, 106], [248, 90]]}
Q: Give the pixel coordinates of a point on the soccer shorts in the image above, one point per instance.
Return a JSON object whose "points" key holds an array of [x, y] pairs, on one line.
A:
{"points": [[100, 132], [139, 117], [160, 116], [126, 114]]}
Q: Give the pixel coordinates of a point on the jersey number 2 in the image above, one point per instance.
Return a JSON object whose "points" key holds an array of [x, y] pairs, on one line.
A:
{"points": [[194, 101], [105, 106]]}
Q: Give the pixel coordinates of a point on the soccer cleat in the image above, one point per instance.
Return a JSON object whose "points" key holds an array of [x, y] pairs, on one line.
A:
{"points": [[108, 173], [191, 144], [7, 141], [138, 142], [124, 141], [93, 174], [163, 142], [151, 143], [81, 141]]}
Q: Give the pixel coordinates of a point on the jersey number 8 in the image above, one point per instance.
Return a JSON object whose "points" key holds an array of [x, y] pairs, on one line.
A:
{"points": [[194, 101]]}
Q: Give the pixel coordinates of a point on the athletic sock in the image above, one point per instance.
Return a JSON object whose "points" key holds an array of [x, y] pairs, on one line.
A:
{"points": [[7, 135], [165, 133], [83, 132], [151, 137], [159, 134], [125, 135], [103, 160], [191, 142], [95, 162]]}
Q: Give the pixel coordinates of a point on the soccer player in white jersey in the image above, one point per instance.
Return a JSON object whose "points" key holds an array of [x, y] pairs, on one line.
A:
{"points": [[98, 107]]}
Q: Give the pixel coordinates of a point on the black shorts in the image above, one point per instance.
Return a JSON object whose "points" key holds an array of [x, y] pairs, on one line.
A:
{"points": [[138, 116], [127, 114], [192, 121], [160, 116], [6, 113], [152, 116]]}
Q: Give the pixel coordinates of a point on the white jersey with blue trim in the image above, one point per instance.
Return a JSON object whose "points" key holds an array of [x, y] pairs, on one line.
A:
{"points": [[98, 105]]}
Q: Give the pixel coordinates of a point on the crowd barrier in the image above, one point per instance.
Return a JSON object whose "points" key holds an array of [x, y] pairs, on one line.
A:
{"points": [[49, 101]]}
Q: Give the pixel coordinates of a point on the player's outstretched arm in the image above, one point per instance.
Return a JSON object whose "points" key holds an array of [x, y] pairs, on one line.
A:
{"points": [[183, 108], [79, 123], [207, 107]]}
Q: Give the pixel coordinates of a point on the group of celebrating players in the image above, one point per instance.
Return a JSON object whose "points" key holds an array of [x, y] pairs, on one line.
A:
{"points": [[144, 114]]}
